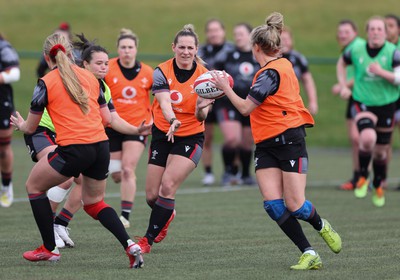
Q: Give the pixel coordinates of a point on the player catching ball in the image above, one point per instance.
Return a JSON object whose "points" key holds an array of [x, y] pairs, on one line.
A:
{"points": [[278, 120]]}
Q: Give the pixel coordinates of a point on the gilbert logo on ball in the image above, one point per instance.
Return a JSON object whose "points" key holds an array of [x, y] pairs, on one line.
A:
{"points": [[204, 88]]}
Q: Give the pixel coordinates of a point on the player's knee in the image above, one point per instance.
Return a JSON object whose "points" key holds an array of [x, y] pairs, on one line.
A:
{"points": [[57, 194], [365, 123], [94, 209], [275, 208], [305, 212], [151, 202], [114, 166]]}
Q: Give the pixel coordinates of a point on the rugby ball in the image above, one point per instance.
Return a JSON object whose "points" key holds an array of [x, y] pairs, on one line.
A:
{"points": [[203, 88]]}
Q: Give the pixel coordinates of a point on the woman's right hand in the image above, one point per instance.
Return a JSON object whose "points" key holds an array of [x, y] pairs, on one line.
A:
{"points": [[172, 129]]}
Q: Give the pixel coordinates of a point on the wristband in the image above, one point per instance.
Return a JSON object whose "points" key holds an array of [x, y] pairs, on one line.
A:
{"points": [[171, 121]]}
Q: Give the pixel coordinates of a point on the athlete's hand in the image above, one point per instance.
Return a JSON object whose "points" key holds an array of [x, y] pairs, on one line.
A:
{"points": [[145, 129], [172, 129], [336, 89], [374, 68], [17, 121], [220, 81], [345, 93], [203, 103]]}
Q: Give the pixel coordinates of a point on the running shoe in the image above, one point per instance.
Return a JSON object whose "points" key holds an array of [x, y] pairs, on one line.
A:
{"points": [[208, 179], [249, 181], [42, 254], [63, 233], [7, 196], [308, 261], [361, 189], [347, 186], [125, 222], [135, 255], [144, 245], [59, 242], [378, 197], [331, 237], [163, 233]]}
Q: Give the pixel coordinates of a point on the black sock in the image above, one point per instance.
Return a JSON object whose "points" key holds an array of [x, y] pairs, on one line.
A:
{"points": [[245, 159], [64, 217], [364, 158], [228, 156], [162, 211], [356, 176], [5, 178], [208, 169], [379, 167], [44, 218], [292, 228], [315, 221], [126, 208], [110, 220]]}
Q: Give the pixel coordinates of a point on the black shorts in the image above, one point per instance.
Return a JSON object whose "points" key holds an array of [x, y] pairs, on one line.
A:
{"points": [[40, 139], [116, 139], [211, 117], [350, 103], [91, 160], [397, 112], [225, 111], [384, 113], [287, 152], [6, 109], [190, 147]]}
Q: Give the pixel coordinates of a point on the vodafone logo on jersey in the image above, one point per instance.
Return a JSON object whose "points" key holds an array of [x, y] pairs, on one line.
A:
{"points": [[246, 69], [176, 97], [129, 92]]}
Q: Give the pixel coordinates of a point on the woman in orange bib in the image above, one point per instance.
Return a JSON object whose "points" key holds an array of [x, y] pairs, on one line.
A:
{"points": [[177, 135], [278, 118], [130, 82], [78, 109]]}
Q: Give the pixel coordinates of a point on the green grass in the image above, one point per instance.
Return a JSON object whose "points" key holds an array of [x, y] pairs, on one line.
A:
{"points": [[27, 23], [219, 233]]}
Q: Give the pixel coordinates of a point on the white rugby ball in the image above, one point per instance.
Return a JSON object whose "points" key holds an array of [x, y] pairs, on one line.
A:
{"points": [[203, 88]]}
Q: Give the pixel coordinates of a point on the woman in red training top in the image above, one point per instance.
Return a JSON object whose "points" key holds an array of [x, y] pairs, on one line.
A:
{"points": [[278, 118], [79, 112], [130, 82], [177, 135]]}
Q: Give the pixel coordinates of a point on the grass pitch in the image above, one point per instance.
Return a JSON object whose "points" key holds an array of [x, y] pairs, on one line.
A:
{"points": [[219, 233]]}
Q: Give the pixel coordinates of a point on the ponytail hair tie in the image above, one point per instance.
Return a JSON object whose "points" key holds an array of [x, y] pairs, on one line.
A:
{"points": [[54, 50]]}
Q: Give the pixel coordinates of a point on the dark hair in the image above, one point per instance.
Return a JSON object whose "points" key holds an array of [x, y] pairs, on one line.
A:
{"points": [[393, 16], [87, 48], [349, 22], [245, 25], [211, 20]]}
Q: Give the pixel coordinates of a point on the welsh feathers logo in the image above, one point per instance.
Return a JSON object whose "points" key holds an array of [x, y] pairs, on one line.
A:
{"points": [[129, 92], [176, 97]]}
